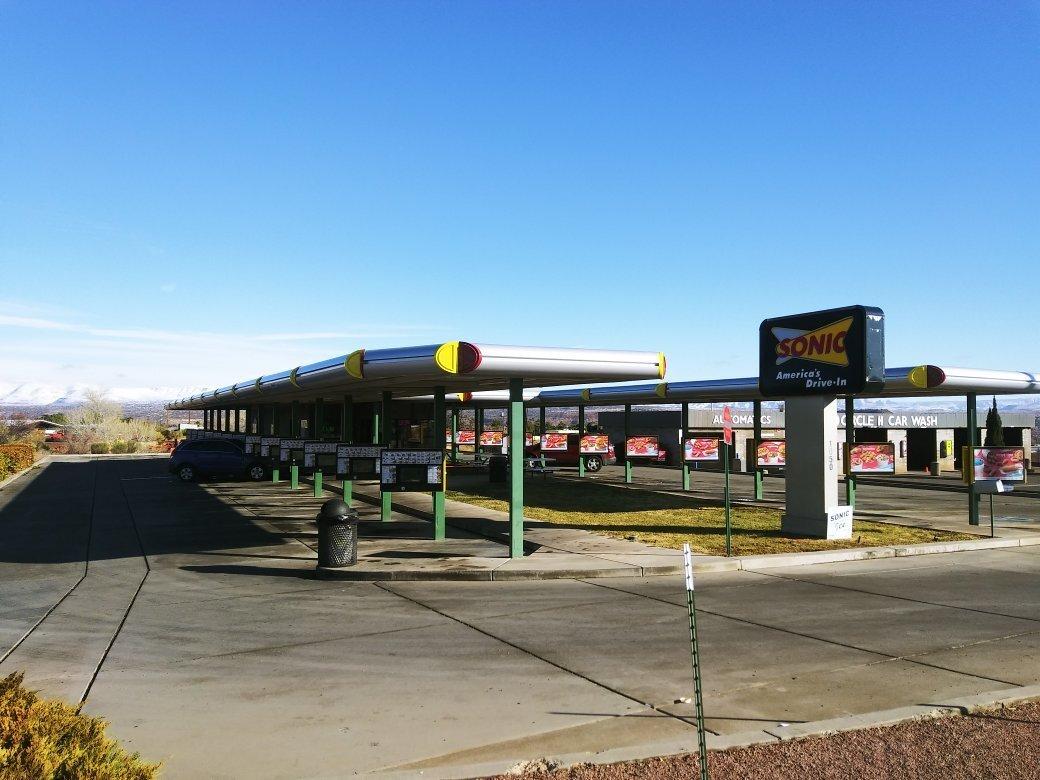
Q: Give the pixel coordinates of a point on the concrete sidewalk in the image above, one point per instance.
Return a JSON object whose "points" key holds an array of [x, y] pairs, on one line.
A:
{"points": [[235, 660]]}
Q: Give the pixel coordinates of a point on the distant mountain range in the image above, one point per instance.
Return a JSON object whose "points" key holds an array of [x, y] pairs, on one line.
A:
{"points": [[64, 396], [37, 398]]}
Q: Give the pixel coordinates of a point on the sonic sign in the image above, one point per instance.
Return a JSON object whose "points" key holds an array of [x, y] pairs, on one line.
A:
{"points": [[831, 352]]}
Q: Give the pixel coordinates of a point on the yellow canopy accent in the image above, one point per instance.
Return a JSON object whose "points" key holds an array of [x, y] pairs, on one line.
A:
{"points": [[447, 357]]}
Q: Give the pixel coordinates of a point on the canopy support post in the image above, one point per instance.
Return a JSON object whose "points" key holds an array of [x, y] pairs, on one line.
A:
{"points": [[684, 424], [515, 424], [581, 432], [628, 433], [756, 440], [385, 436], [973, 441], [438, 495], [850, 440]]}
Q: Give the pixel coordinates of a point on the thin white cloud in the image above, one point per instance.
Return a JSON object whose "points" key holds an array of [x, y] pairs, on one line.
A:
{"points": [[35, 323]]}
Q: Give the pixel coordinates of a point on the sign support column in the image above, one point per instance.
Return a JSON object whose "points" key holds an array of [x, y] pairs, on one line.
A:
{"points": [[478, 428], [973, 441], [757, 439], [628, 432], [438, 495], [385, 435], [581, 432], [515, 424], [850, 439]]}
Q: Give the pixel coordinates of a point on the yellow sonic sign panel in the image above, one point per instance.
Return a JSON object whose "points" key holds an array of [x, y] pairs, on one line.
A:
{"points": [[823, 345]]}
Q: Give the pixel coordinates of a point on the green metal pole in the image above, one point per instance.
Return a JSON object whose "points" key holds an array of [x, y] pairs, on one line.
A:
{"points": [[628, 432], [757, 438], [695, 658], [276, 428], [515, 425], [386, 434], [438, 495], [478, 426], [377, 427], [454, 428], [684, 424], [541, 422], [319, 419], [581, 432], [294, 475], [346, 435], [850, 440], [725, 467], [973, 441], [318, 491], [294, 419]]}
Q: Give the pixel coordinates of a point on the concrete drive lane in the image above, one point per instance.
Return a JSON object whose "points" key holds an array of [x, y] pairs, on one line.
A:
{"points": [[235, 660]]}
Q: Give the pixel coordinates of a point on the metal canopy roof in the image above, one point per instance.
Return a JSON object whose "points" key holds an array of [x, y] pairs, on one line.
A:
{"points": [[457, 366], [911, 381]]}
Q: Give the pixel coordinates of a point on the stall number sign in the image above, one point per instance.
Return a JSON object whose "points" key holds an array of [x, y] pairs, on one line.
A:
{"points": [[267, 442], [1007, 464], [595, 444], [701, 450], [288, 445], [312, 449], [642, 447], [421, 470], [872, 458], [345, 453], [832, 352]]}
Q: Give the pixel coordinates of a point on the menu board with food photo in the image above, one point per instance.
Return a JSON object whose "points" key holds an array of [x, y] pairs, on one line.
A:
{"points": [[872, 458], [554, 442], [491, 438], [772, 453], [701, 449], [595, 444], [642, 447], [467, 437], [1003, 463]]}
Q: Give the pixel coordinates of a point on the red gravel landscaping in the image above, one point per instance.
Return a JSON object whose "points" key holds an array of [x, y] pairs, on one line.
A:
{"points": [[992, 744]]}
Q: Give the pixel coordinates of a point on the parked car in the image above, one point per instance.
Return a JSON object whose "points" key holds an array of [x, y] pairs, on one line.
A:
{"points": [[569, 456], [214, 457]]}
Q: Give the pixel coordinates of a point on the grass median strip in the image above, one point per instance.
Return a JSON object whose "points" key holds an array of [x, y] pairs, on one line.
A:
{"points": [[667, 520]]}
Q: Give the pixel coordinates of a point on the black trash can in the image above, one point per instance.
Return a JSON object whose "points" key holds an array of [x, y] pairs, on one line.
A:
{"points": [[337, 534], [497, 471]]}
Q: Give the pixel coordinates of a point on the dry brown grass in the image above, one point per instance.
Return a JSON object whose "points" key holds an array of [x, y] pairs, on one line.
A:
{"points": [[668, 520]]}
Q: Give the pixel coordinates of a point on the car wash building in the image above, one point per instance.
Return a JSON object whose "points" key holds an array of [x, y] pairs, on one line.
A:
{"points": [[919, 438]]}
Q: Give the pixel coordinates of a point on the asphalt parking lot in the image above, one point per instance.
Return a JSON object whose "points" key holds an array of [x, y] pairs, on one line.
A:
{"points": [[195, 623]]}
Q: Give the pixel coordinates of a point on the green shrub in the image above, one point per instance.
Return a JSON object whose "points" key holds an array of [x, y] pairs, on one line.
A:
{"points": [[99, 448], [48, 739], [118, 447], [132, 446], [6, 466]]}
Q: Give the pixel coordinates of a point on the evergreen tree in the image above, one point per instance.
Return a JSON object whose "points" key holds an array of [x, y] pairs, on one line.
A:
{"points": [[994, 427]]}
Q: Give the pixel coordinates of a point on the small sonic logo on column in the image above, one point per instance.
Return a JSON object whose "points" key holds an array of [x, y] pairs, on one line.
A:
{"points": [[823, 345]]}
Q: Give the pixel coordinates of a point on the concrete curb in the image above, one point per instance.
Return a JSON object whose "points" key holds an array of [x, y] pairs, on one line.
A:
{"points": [[820, 728], [748, 563]]}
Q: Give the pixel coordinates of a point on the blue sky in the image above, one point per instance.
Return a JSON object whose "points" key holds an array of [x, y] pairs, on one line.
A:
{"points": [[195, 193]]}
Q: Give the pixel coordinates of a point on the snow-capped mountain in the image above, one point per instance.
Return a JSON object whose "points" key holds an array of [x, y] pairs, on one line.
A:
{"points": [[38, 394]]}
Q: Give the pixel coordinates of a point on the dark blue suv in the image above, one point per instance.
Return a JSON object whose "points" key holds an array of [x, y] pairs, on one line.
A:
{"points": [[213, 457]]}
